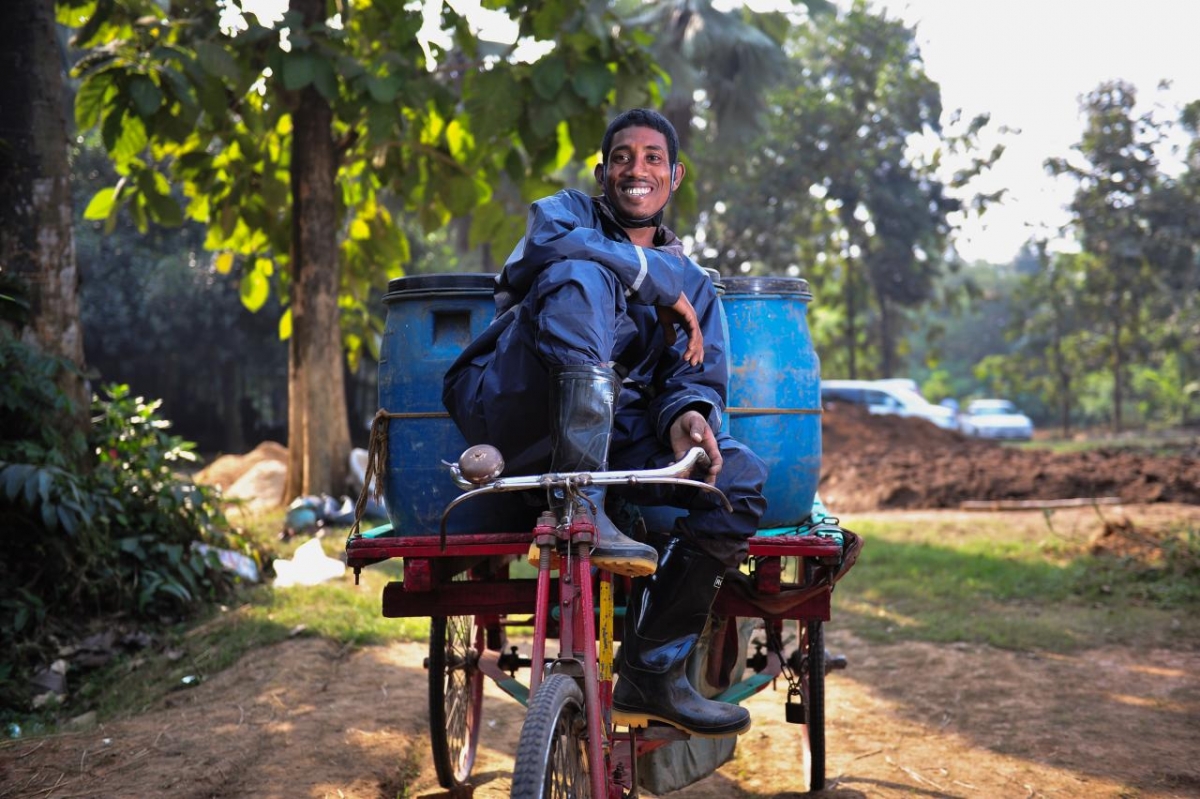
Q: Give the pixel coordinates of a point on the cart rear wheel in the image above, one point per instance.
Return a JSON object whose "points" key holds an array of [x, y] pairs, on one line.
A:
{"points": [[551, 761], [455, 695], [812, 687]]}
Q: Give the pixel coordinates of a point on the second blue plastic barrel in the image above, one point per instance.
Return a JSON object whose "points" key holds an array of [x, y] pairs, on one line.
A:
{"points": [[775, 389], [430, 320]]}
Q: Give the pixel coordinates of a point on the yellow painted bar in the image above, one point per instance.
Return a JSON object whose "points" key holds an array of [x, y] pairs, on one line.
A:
{"points": [[606, 628]]}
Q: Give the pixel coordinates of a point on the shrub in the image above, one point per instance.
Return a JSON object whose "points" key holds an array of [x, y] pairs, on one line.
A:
{"points": [[117, 535]]}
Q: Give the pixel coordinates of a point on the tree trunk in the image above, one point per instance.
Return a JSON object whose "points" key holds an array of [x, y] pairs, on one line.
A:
{"points": [[1118, 367], [318, 430], [887, 337], [37, 242]]}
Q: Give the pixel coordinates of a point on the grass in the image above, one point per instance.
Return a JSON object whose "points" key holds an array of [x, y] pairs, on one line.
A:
{"points": [[1155, 442], [976, 579]]}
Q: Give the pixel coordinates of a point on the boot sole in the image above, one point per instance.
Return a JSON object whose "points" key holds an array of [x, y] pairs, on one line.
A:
{"points": [[635, 718], [628, 567]]}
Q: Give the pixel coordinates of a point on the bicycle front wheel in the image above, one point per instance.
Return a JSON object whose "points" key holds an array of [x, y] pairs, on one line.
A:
{"points": [[455, 695], [551, 761]]}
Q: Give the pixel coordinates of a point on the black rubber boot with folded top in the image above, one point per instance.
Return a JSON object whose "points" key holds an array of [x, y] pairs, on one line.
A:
{"points": [[664, 618], [582, 403]]}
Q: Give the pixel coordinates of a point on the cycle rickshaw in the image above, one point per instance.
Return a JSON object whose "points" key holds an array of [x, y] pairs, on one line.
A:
{"points": [[462, 540]]}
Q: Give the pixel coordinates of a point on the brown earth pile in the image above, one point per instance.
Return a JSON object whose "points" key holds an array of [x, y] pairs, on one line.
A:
{"points": [[227, 469], [875, 462]]}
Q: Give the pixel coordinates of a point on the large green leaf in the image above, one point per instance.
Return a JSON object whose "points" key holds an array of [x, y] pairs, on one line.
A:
{"points": [[147, 97], [325, 78], [285, 325], [132, 139], [384, 89], [460, 194], [593, 81], [255, 288], [549, 76], [101, 204], [298, 70], [217, 61], [89, 100], [496, 97]]}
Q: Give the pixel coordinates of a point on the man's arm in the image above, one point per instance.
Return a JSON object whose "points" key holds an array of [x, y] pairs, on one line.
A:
{"points": [[681, 385], [564, 227]]}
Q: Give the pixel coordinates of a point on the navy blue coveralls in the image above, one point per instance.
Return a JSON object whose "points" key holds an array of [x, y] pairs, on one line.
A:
{"points": [[577, 291]]}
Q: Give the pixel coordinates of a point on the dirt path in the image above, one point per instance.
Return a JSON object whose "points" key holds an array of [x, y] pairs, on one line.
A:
{"points": [[303, 719]]}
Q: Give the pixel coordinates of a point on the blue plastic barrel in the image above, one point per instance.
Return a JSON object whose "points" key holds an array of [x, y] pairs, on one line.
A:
{"points": [[775, 389], [430, 320]]}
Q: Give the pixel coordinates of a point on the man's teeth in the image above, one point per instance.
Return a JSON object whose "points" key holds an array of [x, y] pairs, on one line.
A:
{"points": [[638, 191]]}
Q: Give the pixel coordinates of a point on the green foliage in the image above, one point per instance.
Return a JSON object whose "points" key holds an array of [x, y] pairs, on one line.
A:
{"points": [[1171, 580], [186, 97], [14, 305], [151, 515], [118, 536], [30, 401], [1133, 298], [159, 315], [832, 189]]}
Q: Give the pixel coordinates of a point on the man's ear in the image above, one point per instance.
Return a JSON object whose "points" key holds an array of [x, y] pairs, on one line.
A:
{"points": [[677, 171], [599, 172]]}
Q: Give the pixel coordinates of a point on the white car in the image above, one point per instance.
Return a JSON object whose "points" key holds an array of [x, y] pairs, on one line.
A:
{"points": [[885, 397], [996, 418]]}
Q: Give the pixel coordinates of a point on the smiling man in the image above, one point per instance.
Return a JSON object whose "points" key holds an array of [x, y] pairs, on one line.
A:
{"points": [[607, 351]]}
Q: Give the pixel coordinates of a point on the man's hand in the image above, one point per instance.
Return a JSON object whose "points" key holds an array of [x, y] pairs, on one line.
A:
{"points": [[683, 314], [690, 429]]}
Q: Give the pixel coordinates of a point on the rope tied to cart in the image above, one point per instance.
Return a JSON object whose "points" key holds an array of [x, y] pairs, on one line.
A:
{"points": [[377, 459]]}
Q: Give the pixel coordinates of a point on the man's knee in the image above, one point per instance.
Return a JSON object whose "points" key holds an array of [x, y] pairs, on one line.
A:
{"points": [[578, 309]]}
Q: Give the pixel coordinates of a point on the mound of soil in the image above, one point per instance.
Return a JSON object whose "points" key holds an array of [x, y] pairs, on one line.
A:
{"points": [[873, 462], [228, 469]]}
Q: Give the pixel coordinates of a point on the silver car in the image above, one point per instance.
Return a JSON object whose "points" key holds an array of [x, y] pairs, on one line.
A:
{"points": [[996, 418]]}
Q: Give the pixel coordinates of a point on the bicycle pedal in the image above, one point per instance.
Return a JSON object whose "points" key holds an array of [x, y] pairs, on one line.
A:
{"points": [[834, 662]]}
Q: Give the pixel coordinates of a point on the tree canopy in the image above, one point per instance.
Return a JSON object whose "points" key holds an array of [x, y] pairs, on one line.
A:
{"points": [[201, 107]]}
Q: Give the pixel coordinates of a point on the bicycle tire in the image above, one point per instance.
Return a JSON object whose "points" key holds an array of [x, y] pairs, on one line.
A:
{"points": [[551, 760], [813, 688], [455, 696]]}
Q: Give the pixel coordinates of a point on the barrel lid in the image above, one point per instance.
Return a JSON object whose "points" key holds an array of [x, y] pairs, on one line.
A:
{"points": [[756, 284], [433, 285], [715, 277]]}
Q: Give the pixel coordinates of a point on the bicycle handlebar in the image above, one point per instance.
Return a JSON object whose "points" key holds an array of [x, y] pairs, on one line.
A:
{"points": [[668, 475]]}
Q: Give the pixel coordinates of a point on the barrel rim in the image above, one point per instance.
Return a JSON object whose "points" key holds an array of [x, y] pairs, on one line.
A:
{"points": [[759, 284], [424, 285]]}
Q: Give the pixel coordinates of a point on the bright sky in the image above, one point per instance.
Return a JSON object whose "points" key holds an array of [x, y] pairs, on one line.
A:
{"points": [[1028, 62]]}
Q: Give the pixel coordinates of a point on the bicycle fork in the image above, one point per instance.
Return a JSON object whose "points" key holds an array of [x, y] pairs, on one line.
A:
{"points": [[577, 633]]}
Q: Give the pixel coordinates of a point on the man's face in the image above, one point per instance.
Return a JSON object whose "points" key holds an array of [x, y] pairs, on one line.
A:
{"points": [[638, 179]]}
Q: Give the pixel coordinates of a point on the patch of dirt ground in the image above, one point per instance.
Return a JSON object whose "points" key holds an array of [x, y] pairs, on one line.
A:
{"points": [[306, 718], [888, 462]]}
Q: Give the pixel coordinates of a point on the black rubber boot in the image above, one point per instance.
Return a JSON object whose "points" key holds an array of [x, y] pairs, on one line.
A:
{"points": [[582, 399], [663, 621]]}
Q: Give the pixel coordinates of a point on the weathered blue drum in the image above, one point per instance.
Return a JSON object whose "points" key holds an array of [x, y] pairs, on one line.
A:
{"points": [[430, 320], [775, 389]]}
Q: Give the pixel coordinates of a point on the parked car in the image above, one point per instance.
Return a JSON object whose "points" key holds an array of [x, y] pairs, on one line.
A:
{"points": [[884, 397], [900, 382], [996, 418]]}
